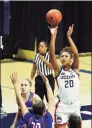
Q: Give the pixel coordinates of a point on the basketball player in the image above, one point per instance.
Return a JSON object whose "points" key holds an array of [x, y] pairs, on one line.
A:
{"points": [[74, 121], [67, 78], [29, 99], [41, 118], [42, 64]]}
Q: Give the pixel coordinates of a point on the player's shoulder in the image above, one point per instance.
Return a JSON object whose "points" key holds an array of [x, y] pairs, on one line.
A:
{"points": [[48, 120], [48, 115], [36, 97]]}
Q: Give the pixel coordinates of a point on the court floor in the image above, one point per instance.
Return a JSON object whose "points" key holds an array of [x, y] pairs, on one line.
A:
{"points": [[24, 69]]}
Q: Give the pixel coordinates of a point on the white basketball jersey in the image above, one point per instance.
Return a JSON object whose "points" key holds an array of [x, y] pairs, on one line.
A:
{"points": [[68, 85]]}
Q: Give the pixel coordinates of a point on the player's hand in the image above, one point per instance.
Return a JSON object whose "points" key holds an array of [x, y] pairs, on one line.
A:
{"points": [[45, 79], [14, 77], [53, 30], [70, 30]]}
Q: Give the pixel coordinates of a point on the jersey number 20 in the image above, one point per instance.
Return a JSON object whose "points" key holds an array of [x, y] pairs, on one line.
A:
{"points": [[69, 83]]}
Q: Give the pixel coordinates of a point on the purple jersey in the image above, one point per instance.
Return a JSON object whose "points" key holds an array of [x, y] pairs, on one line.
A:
{"points": [[41, 122], [28, 103]]}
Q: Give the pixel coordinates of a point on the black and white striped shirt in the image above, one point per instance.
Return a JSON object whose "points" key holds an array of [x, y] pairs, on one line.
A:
{"points": [[41, 66]]}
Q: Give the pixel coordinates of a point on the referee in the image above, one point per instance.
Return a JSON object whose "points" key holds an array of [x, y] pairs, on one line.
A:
{"points": [[42, 64]]}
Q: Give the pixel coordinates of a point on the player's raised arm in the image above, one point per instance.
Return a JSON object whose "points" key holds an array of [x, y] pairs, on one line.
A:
{"points": [[14, 80], [49, 95], [74, 49], [53, 60]]}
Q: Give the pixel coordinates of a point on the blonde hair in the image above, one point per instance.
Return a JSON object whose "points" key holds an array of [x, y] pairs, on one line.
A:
{"points": [[29, 81]]}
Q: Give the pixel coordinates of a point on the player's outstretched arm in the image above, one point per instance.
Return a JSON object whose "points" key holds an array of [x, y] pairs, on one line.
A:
{"points": [[14, 80], [53, 60], [49, 95], [74, 49]]}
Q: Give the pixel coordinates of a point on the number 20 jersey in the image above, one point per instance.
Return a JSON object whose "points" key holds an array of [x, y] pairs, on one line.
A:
{"points": [[68, 84]]}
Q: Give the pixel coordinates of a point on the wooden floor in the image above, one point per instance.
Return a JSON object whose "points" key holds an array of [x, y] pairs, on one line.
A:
{"points": [[24, 69]]}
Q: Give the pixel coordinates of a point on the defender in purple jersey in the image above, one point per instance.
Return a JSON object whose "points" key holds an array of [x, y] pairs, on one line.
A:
{"points": [[29, 98], [41, 118]]}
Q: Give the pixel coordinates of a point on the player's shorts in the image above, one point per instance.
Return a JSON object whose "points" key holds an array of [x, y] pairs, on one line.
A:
{"points": [[64, 110]]}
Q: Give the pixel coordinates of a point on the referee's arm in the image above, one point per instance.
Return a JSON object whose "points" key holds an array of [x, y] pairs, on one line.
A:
{"points": [[46, 62]]}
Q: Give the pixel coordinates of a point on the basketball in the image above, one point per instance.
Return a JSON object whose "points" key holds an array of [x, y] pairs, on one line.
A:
{"points": [[54, 17]]}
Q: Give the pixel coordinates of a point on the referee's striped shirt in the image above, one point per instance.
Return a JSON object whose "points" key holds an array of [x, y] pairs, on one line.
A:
{"points": [[41, 66]]}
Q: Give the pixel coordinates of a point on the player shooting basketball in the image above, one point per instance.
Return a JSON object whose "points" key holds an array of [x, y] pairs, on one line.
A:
{"points": [[67, 77]]}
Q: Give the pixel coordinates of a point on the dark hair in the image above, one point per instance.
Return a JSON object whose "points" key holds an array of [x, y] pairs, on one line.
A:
{"points": [[67, 49], [45, 43], [74, 121], [38, 108]]}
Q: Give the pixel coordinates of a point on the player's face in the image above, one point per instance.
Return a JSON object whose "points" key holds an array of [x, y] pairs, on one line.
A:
{"points": [[42, 48], [25, 86], [65, 58]]}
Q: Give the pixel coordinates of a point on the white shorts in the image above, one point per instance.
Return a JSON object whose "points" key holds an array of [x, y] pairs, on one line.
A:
{"points": [[64, 110]]}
